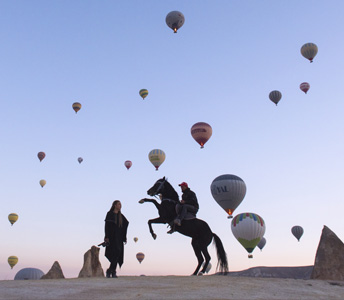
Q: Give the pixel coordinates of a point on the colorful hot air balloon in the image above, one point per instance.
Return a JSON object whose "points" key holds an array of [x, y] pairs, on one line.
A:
{"points": [[41, 156], [135, 239], [275, 96], [228, 191], [309, 51], [175, 20], [76, 106], [12, 261], [297, 231], [80, 160], [12, 218], [201, 132], [140, 256], [143, 93], [248, 229], [157, 157], [261, 243], [304, 86], [42, 182], [128, 164]]}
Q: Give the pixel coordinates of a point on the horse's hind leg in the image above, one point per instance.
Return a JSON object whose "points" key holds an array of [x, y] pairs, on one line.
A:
{"points": [[198, 252], [207, 259]]}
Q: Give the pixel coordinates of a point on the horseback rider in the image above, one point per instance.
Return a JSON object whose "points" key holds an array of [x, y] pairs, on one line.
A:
{"points": [[188, 204]]}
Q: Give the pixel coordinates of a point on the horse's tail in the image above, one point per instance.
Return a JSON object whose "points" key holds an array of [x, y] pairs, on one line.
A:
{"points": [[222, 263]]}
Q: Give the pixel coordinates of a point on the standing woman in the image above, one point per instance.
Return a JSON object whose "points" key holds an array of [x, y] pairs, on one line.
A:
{"points": [[116, 226]]}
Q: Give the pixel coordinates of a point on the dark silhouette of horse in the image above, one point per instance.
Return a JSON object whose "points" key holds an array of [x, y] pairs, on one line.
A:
{"points": [[195, 228]]}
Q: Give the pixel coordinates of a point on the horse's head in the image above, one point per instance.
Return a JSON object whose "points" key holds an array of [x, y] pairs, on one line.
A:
{"points": [[158, 187]]}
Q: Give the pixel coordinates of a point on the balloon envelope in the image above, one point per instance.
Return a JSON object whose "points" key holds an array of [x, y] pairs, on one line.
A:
{"points": [[309, 51], [80, 160], [201, 132], [135, 239], [156, 157], [261, 243], [128, 164], [76, 106], [143, 93], [42, 182], [228, 191], [12, 261], [140, 256], [41, 155], [13, 218], [29, 274], [248, 229], [275, 96], [175, 20], [297, 231], [304, 86]]}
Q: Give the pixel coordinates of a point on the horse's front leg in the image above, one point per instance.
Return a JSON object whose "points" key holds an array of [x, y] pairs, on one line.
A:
{"points": [[157, 205], [154, 221]]}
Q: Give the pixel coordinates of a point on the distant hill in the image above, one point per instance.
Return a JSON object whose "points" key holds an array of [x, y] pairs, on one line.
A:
{"points": [[275, 272]]}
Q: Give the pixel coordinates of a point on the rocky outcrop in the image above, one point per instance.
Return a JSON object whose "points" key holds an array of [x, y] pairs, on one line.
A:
{"points": [[92, 266], [55, 272], [329, 259]]}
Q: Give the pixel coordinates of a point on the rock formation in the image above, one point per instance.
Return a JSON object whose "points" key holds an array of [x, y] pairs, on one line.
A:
{"points": [[329, 260], [92, 266], [55, 272]]}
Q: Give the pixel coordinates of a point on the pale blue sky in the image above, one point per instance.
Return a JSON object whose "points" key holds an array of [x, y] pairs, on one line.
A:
{"points": [[219, 68]]}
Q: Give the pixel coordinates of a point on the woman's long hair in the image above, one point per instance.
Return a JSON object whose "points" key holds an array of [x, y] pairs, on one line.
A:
{"points": [[120, 219]]}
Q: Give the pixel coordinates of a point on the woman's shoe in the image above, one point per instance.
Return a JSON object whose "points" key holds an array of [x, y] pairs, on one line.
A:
{"points": [[113, 273], [108, 273]]}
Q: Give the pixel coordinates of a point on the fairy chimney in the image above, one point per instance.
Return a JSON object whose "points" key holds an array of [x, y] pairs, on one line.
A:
{"points": [[55, 272], [92, 266]]}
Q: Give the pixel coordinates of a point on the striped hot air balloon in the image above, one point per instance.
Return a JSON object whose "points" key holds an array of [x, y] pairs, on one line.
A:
{"points": [[157, 157], [140, 257], [309, 51], [76, 106], [12, 218], [297, 231], [201, 132], [275, 96], [143, 93], [304, 86], [228, 191], [248, 229]]}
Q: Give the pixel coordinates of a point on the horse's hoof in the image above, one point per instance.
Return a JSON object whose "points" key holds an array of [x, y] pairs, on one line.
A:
{"points": [[142, 201], [200, 274], [154, 236]]}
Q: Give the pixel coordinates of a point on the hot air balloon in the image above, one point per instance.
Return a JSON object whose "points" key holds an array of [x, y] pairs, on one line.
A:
{"points": [[309, 51], [201, 132], [304, 86], [41, 156], [175, 20], [80, 160], [140, 256], [135, 239], [143, 93], [128, 164], [297, 231], [261, 243], [12, 261], [29, 274], [275, 96], [248, 229], [42, 182], [228, 191], [156, 157], [12, 218], [76, 106]]}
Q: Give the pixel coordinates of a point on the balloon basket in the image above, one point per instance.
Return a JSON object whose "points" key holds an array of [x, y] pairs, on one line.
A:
{"points": [[229, 217], [250, 256]]}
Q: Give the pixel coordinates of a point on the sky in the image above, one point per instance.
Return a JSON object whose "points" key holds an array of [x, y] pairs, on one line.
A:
{"points": [[219, 68]]}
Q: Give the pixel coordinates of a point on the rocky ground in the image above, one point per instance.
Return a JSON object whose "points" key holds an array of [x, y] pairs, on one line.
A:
{"points": [[172, 287]]}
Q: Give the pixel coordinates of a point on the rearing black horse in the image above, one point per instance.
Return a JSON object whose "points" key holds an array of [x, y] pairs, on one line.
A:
{"points": [[197, 229]]}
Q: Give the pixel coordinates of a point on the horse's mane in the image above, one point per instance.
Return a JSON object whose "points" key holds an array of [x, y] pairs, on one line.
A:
{"points": [[170, 192]]}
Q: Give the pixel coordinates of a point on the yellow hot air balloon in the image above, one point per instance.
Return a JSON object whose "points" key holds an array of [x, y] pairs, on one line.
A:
{"points": [[140, 256], [12, 261], [12, 218], [76, 106], [156, 157], [143, 93], [135, 239], [42, 182]]}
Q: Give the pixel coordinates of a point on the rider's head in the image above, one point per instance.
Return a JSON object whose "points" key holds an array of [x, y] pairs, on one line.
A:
{"points": [[183, 186]]}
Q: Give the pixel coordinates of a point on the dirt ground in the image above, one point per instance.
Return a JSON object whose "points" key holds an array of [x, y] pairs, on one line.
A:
{"points": [[171, 287]]}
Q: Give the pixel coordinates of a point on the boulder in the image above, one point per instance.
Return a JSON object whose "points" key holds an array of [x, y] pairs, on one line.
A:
{"points": [[55, 272], [92, 266], [329, 259]]}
